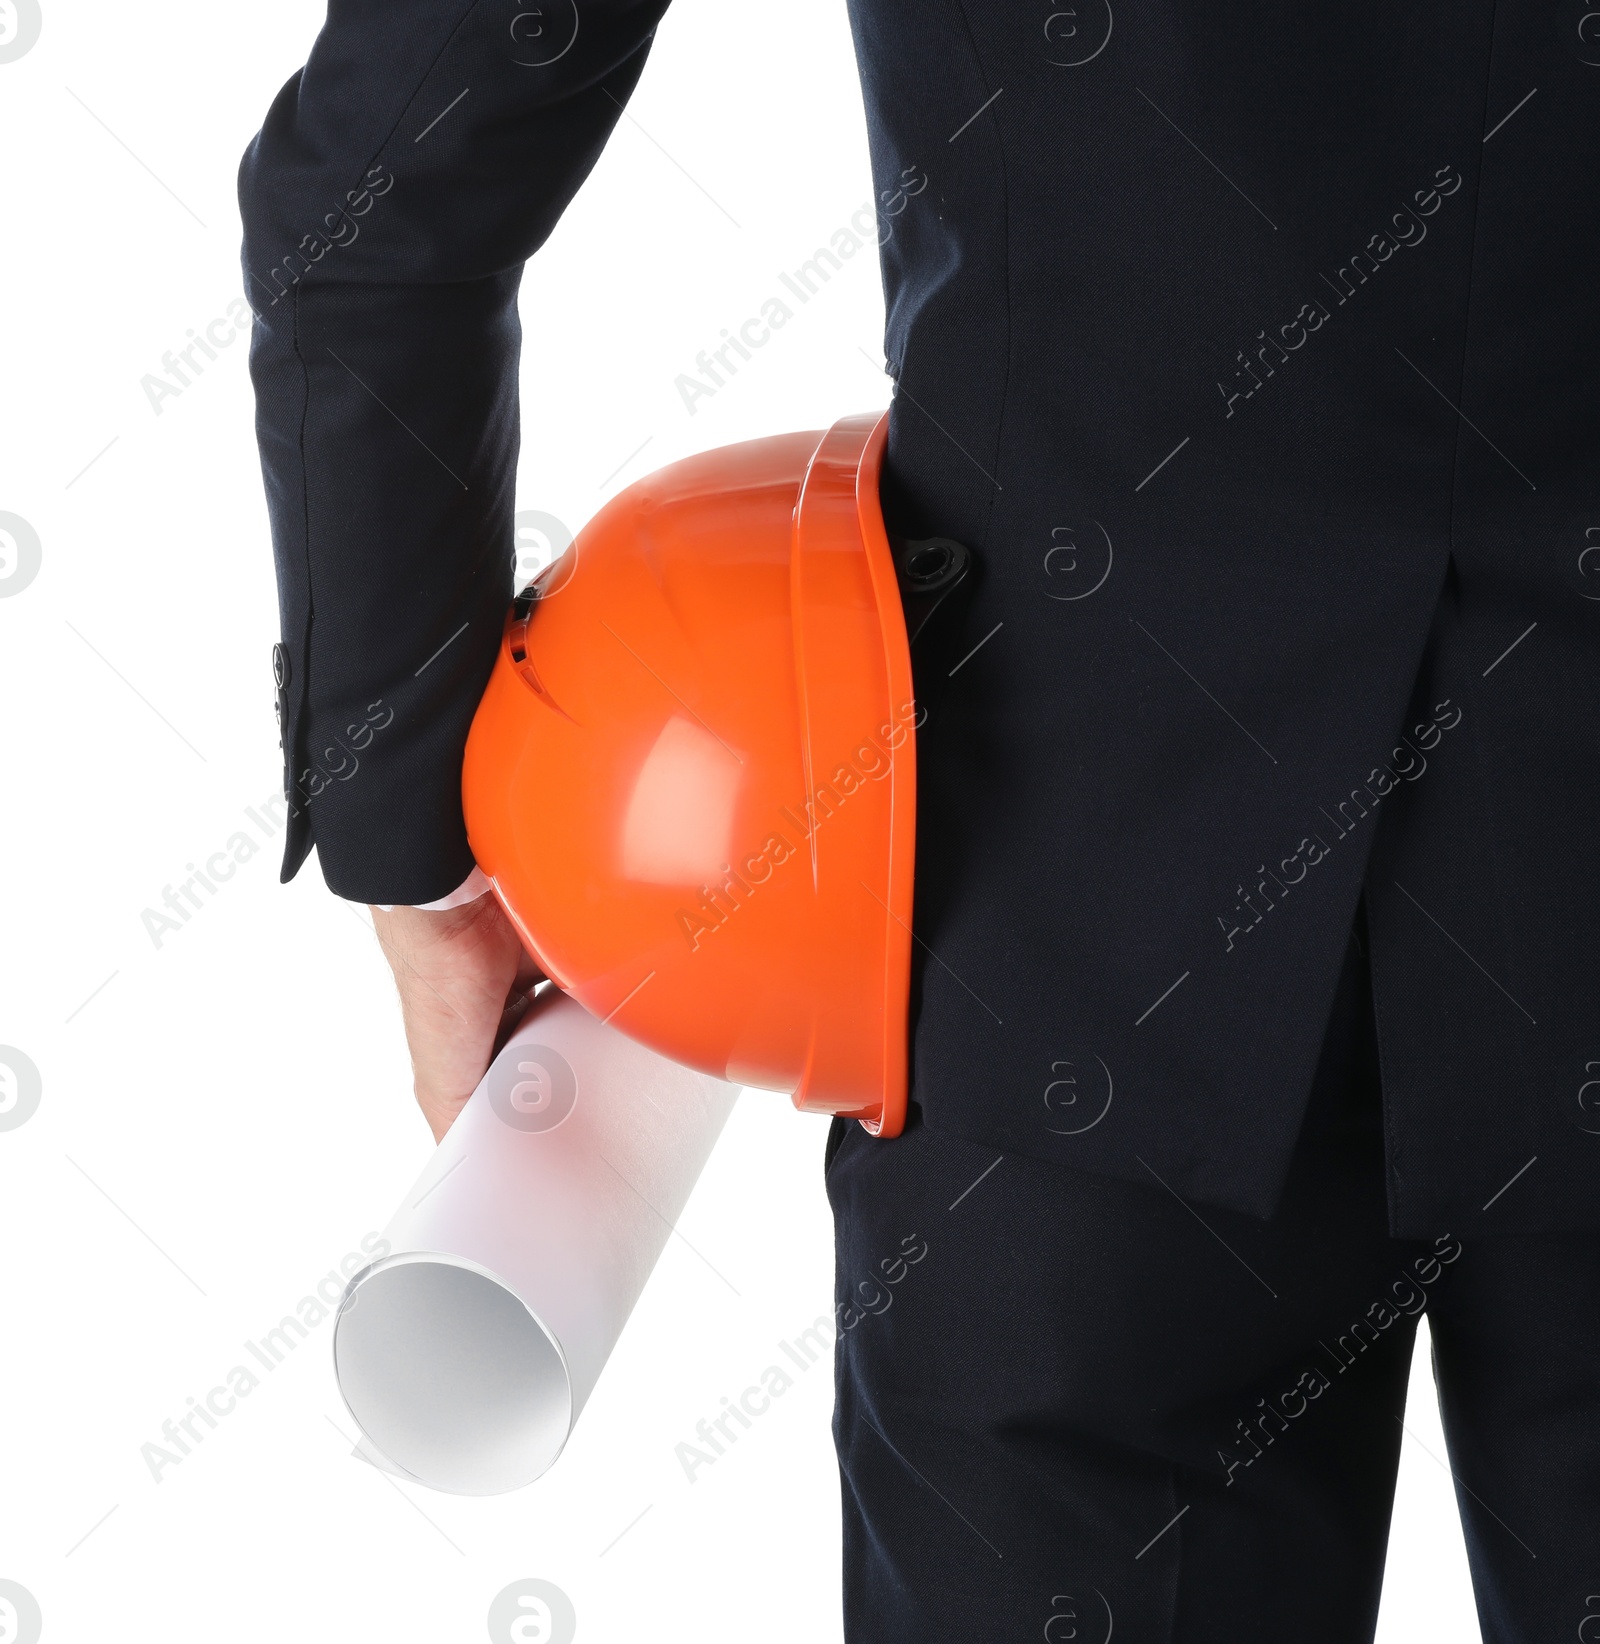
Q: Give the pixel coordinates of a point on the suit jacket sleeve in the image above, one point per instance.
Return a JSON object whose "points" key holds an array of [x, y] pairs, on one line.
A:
{"points": [[400, 181]]}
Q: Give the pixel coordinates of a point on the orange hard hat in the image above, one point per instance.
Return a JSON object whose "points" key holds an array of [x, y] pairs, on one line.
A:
{"points": [[692, 778]]}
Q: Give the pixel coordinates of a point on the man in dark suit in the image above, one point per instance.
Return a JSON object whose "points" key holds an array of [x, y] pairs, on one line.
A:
{"points": [[1254, 353]]}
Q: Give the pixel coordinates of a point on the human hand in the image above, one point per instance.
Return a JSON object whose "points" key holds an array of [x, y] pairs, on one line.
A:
{"points": [[464, 981]]}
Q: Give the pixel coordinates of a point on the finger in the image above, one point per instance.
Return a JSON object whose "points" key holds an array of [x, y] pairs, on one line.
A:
{"points": [[517, 1007], [440, 1111]]}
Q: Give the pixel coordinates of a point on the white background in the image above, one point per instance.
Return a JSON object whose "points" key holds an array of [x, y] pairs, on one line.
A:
{"points": [[227, 1115]]}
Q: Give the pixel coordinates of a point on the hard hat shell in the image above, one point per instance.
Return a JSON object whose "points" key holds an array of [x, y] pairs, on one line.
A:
{"points": [[692, 778]]}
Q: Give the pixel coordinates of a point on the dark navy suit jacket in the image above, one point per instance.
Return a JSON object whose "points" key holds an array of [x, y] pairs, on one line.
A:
{"points": [[1255, 352]]}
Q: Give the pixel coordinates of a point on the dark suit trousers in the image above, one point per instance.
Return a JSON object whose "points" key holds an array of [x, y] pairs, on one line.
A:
{"points": [[1071, 1406]]}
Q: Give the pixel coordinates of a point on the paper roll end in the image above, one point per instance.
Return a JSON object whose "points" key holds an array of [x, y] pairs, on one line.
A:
{"points": [[449, 1377]]}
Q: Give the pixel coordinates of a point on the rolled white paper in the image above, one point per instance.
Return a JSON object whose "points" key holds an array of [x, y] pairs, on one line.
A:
{"points": [[466, 1354]]}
